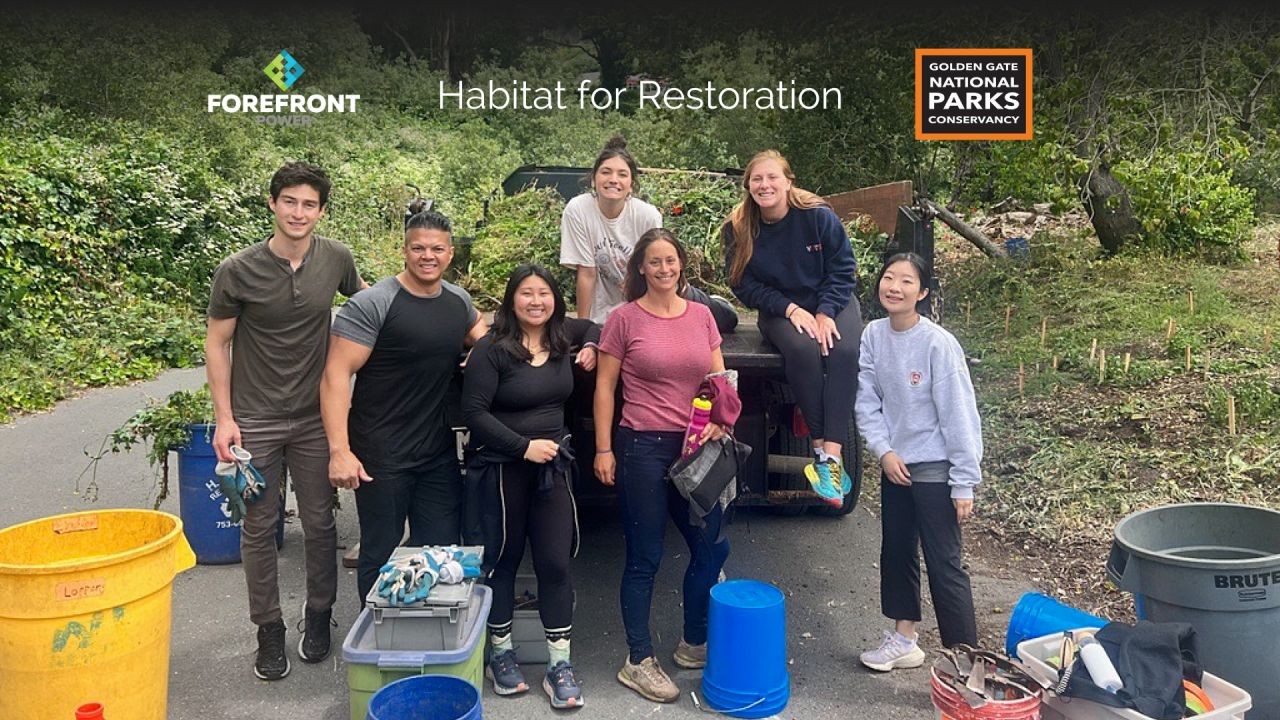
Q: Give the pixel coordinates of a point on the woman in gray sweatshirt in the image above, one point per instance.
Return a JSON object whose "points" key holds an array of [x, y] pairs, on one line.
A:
{"points": [[916, 409]]}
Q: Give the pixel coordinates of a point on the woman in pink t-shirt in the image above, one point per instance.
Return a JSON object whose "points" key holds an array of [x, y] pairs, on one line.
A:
{"points": [[662, 346]]}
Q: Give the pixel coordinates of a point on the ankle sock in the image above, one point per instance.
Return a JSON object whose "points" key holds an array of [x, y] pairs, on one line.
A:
{"points": [[500, 638], [557, 644]]}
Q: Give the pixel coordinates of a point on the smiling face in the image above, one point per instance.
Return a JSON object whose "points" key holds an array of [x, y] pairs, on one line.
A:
{"points": [[900, 288], [534, 302], [661, 267], [297, 210], [768, 184], [427, 253], [612, 180]]}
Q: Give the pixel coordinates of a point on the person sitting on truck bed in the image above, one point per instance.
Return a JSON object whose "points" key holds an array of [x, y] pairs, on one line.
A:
{"points": [[789, 257], [662, 346], [599, 229], [513, 394], [388, 439], [911, 370]]}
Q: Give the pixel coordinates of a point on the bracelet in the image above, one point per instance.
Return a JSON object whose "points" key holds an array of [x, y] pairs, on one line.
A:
{"points": [[793, 312], [604, 452]]}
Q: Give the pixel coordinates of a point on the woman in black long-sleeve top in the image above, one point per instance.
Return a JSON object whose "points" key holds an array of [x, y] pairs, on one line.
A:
{"points": [[517, 380]]}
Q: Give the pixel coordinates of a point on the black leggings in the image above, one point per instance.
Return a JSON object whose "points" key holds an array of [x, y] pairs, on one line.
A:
{"points": [[825, 395], [547, 519]]}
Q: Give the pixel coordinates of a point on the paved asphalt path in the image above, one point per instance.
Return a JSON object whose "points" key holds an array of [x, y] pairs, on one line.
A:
{"points": [[826, 567]]}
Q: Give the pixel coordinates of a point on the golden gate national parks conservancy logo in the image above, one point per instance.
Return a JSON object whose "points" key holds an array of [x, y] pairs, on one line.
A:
{"points": [[973, 94], [289, 109]]}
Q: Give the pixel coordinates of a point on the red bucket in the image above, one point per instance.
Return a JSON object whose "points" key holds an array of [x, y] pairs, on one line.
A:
{"points": [[953, 707]]}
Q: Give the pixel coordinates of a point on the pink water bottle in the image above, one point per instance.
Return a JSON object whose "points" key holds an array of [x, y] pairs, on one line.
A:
{"points": [[698, 419]]}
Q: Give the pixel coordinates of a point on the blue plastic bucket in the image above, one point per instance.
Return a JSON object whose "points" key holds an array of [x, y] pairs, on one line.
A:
{"points": [[206, 520], [1038, 615], [426, 697], [746, 674]]}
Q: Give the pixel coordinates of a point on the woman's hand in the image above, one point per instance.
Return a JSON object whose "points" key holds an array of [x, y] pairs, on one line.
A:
{"points": [[711, 432], [541, 451], [804, 322], [604, 467], [587, 358], [827, 332], [895, 469], [964, 509]]}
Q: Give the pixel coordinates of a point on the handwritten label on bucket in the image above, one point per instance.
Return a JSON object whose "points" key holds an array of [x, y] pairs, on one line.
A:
{"points": [[78, 523], [79, 589]]}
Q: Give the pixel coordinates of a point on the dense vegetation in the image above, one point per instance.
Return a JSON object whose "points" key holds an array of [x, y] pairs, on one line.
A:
{"points": [[119, 193]]}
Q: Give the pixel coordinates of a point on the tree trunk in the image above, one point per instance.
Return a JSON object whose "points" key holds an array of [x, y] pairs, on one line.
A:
{"points": [[1109, 208], [964, 229]]}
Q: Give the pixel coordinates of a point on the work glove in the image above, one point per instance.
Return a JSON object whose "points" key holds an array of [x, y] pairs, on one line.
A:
{"points": [[240, 482]]}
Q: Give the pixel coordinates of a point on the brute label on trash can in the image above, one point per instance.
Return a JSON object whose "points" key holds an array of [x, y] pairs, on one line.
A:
{"points": [[1215, 566]]}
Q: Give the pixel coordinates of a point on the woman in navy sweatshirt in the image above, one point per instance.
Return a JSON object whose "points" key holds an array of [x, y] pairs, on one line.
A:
{"points": [[789, 257]]}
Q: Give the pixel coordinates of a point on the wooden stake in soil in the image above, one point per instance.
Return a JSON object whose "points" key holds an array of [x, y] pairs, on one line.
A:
{"points": [[1191, 302], [1022, 378], [1168, 333], [1266, 341], [1093, 349], [1127, 357], [1055, 363], [968, 313], [1208, 363], [1044, 330], [1231, 414], [1102, 366], [1008, 313], [1188, 358]]}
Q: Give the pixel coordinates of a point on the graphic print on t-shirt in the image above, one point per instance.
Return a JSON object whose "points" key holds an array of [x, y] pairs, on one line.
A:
{"points": [[611, 262]]}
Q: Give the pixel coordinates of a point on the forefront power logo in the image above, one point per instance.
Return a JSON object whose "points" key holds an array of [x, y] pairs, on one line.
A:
{"points": [[289, 109]]}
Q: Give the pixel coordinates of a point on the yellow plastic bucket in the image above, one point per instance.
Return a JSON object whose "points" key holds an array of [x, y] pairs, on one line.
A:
{"points": [[85, 606]]}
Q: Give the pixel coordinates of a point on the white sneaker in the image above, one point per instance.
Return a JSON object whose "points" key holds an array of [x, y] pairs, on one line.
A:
{"points": [[895, 652]]}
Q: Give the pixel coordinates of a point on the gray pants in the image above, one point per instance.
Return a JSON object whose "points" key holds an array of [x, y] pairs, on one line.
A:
{"points": [[301, 444]]}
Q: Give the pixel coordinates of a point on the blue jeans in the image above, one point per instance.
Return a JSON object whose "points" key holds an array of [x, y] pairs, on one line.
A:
{"points": [[647, 498]]}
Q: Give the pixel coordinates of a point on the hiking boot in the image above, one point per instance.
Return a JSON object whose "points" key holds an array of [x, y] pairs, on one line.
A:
{"points": [[561, 686], [271, 663], [313, 646], [505, 673], [648, 679], [826, 479], [690, 657], [895, 652]]}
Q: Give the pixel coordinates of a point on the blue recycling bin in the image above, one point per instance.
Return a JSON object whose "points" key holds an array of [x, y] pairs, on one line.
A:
{"points": [[206, 519]]}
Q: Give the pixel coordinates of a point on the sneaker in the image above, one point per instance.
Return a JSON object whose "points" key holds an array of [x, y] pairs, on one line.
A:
{"points": [[895, 652], [825, 478], [690, 657], [272, 663], [561, 686], [313, 646], [505, 674], [648, 679]]}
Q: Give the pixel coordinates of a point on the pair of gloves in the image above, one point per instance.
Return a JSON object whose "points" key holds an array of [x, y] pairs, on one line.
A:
{"points": [[239, 481], [407, 580]]}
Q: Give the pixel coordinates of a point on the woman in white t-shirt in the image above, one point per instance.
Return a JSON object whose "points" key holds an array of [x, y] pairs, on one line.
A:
{"points": [[600, 228]]}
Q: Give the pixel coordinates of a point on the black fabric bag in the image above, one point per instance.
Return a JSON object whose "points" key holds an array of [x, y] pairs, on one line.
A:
{"points": [[705, 478], [1151, 659]]}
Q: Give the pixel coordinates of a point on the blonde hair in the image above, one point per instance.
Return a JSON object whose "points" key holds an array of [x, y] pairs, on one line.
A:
{"points": [[744, 219]]}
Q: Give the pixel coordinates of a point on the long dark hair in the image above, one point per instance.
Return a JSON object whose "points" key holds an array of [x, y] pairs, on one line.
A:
{"points": [[616, 147], [635, 286], [507, 333]]}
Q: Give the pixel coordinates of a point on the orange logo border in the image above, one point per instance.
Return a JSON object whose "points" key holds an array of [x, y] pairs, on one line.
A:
{"points": [[921, 53]]}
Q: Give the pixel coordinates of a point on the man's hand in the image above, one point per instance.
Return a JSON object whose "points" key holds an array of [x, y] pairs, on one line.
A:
{"points": [[541, 451], [346, 470], [895, 469], [605, 465], [225, 434]]}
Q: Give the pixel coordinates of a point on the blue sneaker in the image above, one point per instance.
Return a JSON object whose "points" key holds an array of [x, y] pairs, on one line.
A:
{"points": [[823, 477], [505, 674], [561, 686]]}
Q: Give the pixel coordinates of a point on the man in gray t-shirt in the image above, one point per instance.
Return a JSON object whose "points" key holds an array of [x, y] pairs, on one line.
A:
{"points": [[272, 301]]}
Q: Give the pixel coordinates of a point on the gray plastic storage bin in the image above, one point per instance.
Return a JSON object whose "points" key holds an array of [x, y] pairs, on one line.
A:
{"points": [[526, 623], [441, 622], [1229, 701], [1215, 566]]}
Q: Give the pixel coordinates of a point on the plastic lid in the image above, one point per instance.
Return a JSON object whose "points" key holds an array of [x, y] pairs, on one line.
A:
{"points": [[702, 403]]}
